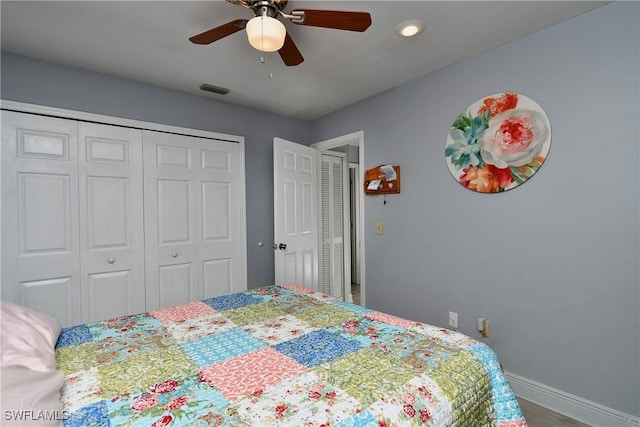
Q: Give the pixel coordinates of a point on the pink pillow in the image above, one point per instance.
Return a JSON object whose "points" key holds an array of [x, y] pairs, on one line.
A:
{"points": [[31, 398], [28, 337]]}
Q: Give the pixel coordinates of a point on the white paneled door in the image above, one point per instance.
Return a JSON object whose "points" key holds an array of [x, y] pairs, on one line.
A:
{"points": [[193, 207], [295, 213], [111, 221], [40, 237]]}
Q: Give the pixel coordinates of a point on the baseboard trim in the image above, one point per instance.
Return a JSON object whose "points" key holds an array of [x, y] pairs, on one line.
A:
{"points": [[583, 410]]}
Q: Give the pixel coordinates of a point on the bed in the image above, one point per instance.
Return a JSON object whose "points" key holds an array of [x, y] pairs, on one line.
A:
{"points": [[280, 355]]}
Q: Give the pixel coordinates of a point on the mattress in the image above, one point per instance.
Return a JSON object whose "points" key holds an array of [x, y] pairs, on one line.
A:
{"points": [[280, 355]]}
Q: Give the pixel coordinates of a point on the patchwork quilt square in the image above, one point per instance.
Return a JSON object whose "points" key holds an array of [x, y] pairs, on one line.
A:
{"points": [[390, 319], [280, 329], [182, 312], [419, 401], [368, 333], [267, 293], [180, 400], [94, 415], [198, 327], [225, 345], [317, 347], [141, 371], [227, 302], [250, 373], [295, 303], [352, 307], [371, 374], [325, 316], [82, 389], [247, 315], [74, 335], [119, 347], [283, 403], [122, 325], [76, 358]]}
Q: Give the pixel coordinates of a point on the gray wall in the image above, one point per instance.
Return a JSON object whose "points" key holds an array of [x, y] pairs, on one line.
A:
{"points": [[553, 263], [37, 82]]}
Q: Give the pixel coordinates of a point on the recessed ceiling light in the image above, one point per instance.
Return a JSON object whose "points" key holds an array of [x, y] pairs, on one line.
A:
{"points": [[410, 28]]}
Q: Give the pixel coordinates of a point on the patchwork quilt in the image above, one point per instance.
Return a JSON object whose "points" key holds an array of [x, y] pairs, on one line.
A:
{"points": [[280, 355]]}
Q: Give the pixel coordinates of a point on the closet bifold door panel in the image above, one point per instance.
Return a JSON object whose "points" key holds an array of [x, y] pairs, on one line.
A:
{"points": [[111, 221], [193, 201], [40, 236], [333, 202]]}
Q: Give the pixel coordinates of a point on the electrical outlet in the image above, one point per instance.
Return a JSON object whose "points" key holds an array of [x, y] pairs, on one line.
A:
{"points": [[453, 319], [484, 327]]}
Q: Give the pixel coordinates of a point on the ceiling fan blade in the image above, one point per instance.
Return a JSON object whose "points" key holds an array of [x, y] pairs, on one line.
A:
{"points": [[289, 52], [338, 19], [219, 32]]}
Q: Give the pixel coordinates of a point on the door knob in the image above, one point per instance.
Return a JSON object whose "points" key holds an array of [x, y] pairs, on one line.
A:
{"points": [[282, 246]]}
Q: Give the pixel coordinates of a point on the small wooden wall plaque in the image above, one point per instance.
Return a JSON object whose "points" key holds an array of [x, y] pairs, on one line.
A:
{"points": [[379, 180]]}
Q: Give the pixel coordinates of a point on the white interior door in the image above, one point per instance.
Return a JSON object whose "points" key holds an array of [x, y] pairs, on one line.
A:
{"points": [[295, 187], [40, 242], [111, 221], [193, 217]]}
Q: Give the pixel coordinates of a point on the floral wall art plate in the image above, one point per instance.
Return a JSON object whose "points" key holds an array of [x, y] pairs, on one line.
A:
{"points": [[498, 143]]}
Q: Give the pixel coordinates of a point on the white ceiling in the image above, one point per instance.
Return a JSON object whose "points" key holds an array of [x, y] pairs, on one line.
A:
{"points": [[147, 41]]}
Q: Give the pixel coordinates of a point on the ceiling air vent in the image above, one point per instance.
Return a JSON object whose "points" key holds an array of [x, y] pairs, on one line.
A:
{"points": [[215, 89]]}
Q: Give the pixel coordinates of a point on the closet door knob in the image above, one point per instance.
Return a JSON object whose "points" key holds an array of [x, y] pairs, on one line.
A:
{"points": [[111, 260], [174, 254]]}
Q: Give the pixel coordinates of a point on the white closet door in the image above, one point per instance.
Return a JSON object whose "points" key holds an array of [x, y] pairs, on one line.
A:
{"points": [[111, 221], [192, 218], [332, 201], [40, 243]]}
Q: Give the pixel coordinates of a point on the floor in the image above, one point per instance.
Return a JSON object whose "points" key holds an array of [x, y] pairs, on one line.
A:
{"points": [[537, 416], [355, 292]]}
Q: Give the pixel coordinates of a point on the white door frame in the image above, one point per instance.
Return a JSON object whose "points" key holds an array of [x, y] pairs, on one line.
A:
{"points": [[355, 139]]}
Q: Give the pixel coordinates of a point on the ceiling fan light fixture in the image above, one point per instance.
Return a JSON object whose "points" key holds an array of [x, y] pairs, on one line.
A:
{"points": [[410, 28], [266, 33]]}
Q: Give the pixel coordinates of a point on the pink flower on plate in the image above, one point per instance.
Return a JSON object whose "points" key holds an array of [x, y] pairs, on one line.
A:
{"points": [[514, 138]]}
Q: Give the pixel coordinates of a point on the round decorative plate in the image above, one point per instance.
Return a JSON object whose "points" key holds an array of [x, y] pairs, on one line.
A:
{"points": [[498, 143]]}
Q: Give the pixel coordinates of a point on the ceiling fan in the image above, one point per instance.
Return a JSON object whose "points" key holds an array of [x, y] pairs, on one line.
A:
{"points": [[266, 33]]}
